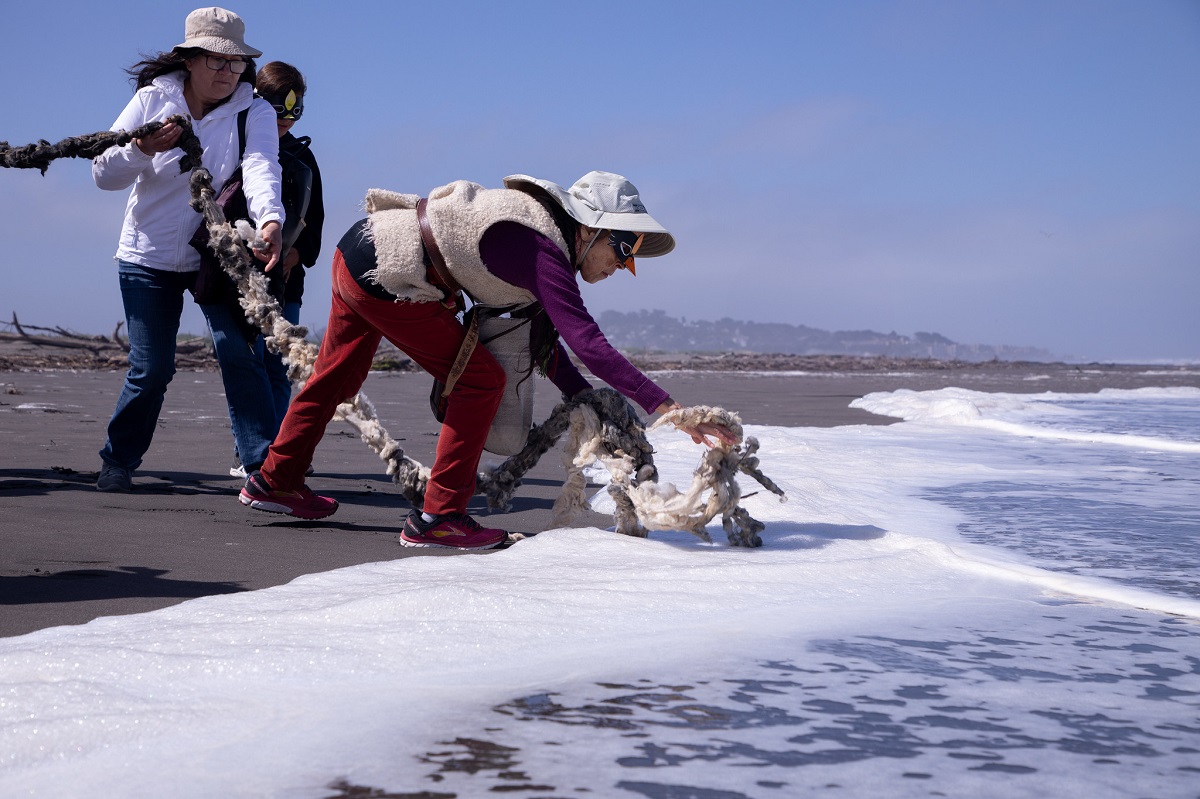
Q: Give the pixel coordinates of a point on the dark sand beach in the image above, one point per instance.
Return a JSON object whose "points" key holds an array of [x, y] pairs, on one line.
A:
{"points": [[69, 554]]}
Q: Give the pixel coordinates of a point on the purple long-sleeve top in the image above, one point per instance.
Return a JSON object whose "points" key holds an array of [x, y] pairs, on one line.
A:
{"points": [[527, 259]]}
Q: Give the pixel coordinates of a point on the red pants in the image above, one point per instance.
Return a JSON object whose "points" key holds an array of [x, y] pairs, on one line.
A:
{"points": [[427, 332]]}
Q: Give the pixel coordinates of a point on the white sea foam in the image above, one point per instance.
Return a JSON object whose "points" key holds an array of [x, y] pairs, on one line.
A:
{"points": [[942, 605], [1001, 412]]}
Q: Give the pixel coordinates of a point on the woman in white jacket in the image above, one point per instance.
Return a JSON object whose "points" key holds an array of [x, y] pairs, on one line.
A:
{"points": [[209, 77]]}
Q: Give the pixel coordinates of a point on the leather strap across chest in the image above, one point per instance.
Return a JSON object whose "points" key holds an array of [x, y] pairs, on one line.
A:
{"points": [[431, 247], [453, 289]]}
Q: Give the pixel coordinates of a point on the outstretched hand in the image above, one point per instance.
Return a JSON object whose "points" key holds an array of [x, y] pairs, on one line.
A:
{"points": [[701, 431], [272, 235], [160, 140]]}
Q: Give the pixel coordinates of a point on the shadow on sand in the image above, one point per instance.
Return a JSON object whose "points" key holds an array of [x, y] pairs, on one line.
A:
{"points": [[82, 585]]}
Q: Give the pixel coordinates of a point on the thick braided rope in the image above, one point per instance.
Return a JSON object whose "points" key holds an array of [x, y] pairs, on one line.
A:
{"points": [[668, 508], [285, 339], [39, 154], [260, 307], [603, 426]]}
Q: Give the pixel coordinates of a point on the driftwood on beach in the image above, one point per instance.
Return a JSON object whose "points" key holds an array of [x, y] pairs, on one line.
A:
{"points": [[61, 337], [25, 346]]}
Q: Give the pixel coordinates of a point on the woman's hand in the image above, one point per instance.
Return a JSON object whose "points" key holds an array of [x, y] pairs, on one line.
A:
{"points": [[272, 234], [700, 432], [160, 140]]}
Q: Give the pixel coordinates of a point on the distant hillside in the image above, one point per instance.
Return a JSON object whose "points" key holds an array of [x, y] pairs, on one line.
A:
{"points": [[654, 331]]}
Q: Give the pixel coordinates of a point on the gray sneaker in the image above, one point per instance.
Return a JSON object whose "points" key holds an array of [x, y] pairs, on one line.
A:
{"points": [[114, 478]]}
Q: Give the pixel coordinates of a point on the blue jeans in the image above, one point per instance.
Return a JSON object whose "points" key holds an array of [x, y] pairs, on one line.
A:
{"points": [[153, 302], [248, 391], [281, 387]]}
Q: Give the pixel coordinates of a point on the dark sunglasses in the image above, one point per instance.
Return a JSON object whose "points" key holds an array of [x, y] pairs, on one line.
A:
{"points": [[289, 107], [626, 243], [217, 63]]}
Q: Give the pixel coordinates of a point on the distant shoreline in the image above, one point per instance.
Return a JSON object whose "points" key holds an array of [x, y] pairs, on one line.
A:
{"points": [[17, 355], [759, 362]]}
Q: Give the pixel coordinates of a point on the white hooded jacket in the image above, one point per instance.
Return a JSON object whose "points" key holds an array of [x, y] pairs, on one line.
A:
{"points": [[159, 221]]}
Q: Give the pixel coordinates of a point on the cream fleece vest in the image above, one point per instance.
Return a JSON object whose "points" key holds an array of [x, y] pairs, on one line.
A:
{"points": [[459, 213]]}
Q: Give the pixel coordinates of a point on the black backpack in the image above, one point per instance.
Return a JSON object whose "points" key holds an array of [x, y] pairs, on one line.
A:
{"points": [[296, 189], [212, 284]]}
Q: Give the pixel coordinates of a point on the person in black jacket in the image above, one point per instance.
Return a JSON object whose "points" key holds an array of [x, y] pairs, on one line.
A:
{"points": [[283, 86]]}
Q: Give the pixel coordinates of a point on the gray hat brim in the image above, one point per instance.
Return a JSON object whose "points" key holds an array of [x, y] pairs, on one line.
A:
{"points": [[657, 241]]}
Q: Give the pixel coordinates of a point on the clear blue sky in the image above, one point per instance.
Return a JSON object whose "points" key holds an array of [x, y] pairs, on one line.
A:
{"points": [[1010, 172]]}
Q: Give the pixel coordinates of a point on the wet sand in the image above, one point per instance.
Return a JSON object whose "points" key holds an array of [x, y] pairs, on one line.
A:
{"points": [[69, 554]]}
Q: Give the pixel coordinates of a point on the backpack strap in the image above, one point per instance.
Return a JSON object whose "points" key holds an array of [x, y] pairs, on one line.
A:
{"points": [[241, 126], [296, 146]]}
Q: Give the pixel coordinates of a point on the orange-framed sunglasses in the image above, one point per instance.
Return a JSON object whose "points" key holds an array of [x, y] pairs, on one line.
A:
{"points": [[626, 243]]}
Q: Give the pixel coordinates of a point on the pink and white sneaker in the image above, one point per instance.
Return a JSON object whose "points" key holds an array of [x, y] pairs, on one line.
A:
{"points": [[302, 504], [449, 531]]}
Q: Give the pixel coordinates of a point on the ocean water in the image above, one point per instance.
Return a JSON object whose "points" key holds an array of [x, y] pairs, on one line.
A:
{"points": [[996, 597]]}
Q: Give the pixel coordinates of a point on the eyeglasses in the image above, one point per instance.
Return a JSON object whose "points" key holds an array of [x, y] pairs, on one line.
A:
{"points": [[289, 107], [626, 243], [217, 63]]}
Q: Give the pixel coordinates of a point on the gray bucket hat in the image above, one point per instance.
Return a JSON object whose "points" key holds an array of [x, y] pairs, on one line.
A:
{"points": [[604, 200], [217, 31]]}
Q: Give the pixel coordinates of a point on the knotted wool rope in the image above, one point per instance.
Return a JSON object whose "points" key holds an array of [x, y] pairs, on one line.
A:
{"points": [[603, 426], [285, 339], [260, 306], [40, 154]]}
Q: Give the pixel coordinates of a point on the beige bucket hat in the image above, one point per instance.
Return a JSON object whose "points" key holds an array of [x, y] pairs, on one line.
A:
{"points": [[605, 200], [216, 30]]}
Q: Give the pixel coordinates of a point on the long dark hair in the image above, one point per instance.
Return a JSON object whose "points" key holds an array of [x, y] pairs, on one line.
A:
{"points": [[144, 72]]}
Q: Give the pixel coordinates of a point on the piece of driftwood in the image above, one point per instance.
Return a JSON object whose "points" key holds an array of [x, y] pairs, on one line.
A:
{"points": [[197, 348], [65, 338], [62, 337]]}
